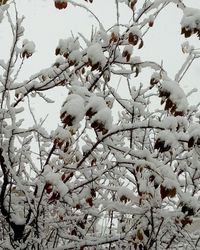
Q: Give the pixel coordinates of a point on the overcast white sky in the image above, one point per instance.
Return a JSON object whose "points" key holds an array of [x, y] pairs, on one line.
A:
{"points": [[45, 25]]}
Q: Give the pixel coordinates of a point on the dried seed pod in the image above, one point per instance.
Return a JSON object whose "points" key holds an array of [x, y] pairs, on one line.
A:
{"points": [[89, 200], [90, 113], [114, 37], [60, 4], [124, 199], [57, 51], [132, 4], [167, 192], [99, 127], [48, 188], [189, 211], [160, 145], [67, 119], [133, 39], [93, 192], [151, 23]]}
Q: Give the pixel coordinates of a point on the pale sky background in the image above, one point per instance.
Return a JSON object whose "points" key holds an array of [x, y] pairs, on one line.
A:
{"points": [[45, 25]]}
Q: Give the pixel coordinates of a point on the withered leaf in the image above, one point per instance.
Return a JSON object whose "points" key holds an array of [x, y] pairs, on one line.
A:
{"points": [[191, 142]]}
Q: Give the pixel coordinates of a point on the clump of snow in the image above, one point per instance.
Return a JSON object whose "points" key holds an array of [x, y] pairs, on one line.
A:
{"points": [[126, 192], [47, 170], [128, 48], [168, 137], [52, 178], [115, 29], [20, 91], [135, 36], [175, 123], [136, 31], [114, 34], [170, 183], [104, 117], [67, 45], [99, 113], [194, 131], [191, 18], [78, 88], [190, 22], [61, 133], [96, 55], [95, 103], [18, 219], [175, 93], [75, 56], [55, 180], [135, 63], [155, 78], [62, 1], [127, 52], [28, 48], [59, 61], [74, 107]]}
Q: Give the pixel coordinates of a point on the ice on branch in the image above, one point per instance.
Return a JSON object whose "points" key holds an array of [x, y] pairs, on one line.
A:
{"points": [[3, 8], [187, 48]]}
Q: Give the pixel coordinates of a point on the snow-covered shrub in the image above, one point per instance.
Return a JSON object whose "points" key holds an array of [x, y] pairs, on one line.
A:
{"points": [[121, 169]]}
